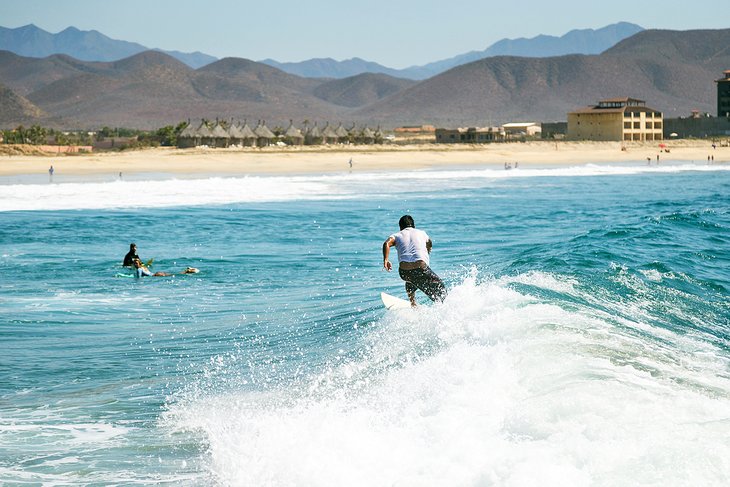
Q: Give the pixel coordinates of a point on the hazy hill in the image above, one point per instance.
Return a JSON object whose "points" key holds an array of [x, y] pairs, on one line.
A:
{"points": [[329, 68], [152, 89], [673, 71], [361, 90], [32, 41], [579, 41], [17, 109], [257, 76], [583, 41]]}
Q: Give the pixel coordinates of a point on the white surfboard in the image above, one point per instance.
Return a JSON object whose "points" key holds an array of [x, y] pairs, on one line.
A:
{"points": [[391, 302]]}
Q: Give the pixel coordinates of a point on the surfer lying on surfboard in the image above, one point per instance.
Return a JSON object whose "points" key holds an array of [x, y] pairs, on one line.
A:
{"points": [[414, 248], [142, 270]]}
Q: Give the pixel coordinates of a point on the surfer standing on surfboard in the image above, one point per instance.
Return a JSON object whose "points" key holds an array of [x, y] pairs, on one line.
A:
{"points": [[414, 247]]}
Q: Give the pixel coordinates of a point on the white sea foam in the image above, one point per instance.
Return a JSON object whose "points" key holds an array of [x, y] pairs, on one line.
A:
{"points": [[493, 387], [219, 190]]}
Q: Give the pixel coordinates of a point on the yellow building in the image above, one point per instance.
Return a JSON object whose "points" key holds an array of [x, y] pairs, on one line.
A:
{"points": [[619, 119]]}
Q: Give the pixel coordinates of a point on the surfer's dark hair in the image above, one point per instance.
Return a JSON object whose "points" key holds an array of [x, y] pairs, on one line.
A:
{"points": [[406, 221], [132, 245]]}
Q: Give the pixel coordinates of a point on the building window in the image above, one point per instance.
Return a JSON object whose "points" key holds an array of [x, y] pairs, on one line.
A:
{"points": [[637, 125], [657, 125], [649, 125], [627, 125]]}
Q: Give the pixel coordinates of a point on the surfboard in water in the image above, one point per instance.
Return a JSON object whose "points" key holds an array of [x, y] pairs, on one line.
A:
{"points": [[391, 302]]}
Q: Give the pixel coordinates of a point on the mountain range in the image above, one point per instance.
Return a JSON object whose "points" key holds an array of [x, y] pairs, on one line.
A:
{"points": [[32, 41], [581, 41], [672, 70]]}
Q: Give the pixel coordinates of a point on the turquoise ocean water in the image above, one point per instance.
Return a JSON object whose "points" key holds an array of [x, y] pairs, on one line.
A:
{"points": [[585, 340]]}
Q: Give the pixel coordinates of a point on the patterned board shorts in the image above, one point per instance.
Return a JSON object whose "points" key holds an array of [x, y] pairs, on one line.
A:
{"points": [[426, 280]]}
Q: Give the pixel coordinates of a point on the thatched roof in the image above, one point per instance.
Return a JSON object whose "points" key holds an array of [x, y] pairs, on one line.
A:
{"points": [[263, 131], [329, 132], [341, 131], [293, 132], [367, 133], [219, 132], [235, 131], [189, 131], [314, 131], [204, 131], [246, 132]]}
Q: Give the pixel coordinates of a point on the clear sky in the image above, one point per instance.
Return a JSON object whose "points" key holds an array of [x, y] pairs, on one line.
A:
{"points": [[395, 33]]}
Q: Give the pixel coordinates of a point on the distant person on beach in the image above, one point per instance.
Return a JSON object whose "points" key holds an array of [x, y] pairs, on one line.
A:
{"points": [[414, 248], [131, 256], [50, 171], [350, 162]]}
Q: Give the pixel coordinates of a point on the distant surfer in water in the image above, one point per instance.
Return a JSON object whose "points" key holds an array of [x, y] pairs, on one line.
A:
{"points": [[140, 270], [414, 247], [131, 256]]}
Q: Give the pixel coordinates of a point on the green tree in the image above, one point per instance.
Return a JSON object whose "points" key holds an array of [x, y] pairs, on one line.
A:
{"points": [[166, 136], [36, 135]]}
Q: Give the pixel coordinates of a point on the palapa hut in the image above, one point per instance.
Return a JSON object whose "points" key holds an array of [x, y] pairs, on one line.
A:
{"points": [[221, 138], [366, 136], [234, 131], [188, 137], [313, 136], [205, 136], [378, 136], [264, 136], [248, 137], [328, 135], [343, 136], [292, 135]]}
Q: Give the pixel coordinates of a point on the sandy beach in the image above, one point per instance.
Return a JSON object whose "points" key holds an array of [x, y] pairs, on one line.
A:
{"points": [[327, 159]]}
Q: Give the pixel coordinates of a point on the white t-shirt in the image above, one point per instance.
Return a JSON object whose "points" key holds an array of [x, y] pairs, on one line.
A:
{"points": [[411, 245]]}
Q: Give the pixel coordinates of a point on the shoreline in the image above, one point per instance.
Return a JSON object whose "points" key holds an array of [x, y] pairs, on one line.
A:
{"points": [[335, 159]]}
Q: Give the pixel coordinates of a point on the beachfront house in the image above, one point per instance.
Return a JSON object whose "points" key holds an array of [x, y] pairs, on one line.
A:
{"points": [[469, 135], [616, 119], [723, 95], [522, 130]]}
